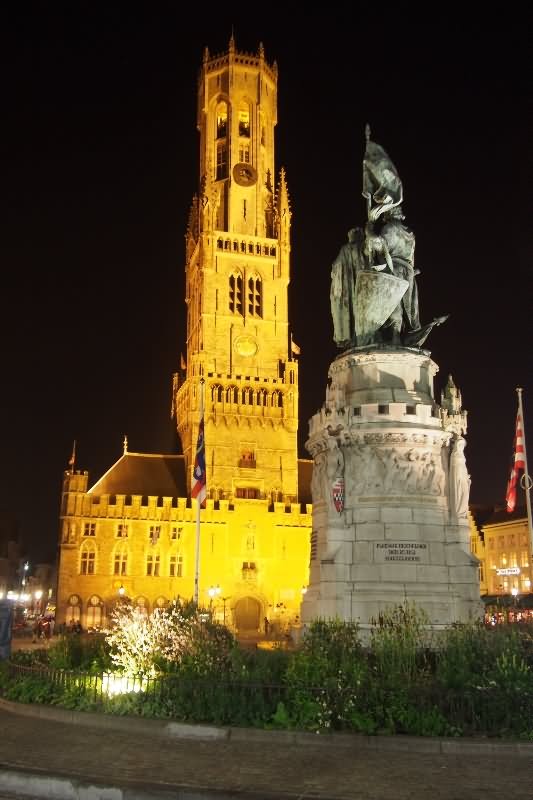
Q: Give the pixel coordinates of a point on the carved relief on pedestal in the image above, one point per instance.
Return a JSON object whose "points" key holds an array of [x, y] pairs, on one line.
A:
{"points": [[377, 470]]}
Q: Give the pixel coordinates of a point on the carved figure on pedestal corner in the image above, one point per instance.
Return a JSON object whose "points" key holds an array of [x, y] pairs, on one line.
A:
{"points": [[459, 480], [317, 479], [335, 477]]}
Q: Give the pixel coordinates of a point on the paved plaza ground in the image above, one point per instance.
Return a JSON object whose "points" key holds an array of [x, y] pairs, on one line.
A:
{"points": [[145, 759]]}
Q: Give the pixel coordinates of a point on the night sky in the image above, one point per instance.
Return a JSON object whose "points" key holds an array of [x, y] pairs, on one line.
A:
{"points": [[100, 163]]}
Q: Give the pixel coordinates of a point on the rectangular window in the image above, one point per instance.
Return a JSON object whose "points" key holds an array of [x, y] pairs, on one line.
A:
{"points": [[175, 533], [222, 162], [122, 531], [120, 564], [87, 563], [244, 153], [89, 529], [176, 566], [154, 534], [247, 493], [152, 566]]}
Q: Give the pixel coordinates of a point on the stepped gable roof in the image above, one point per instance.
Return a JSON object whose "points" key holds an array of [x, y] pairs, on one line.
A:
{"points": [[305, 472], [146, 474]]}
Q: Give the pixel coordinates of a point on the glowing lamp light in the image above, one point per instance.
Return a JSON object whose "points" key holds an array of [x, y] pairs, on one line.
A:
{"points": [[38, 594], [121, 590], [304, 589], [514, 591]]}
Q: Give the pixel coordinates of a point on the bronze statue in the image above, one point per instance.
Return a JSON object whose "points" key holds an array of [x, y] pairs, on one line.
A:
{"points": [[374, 294]]}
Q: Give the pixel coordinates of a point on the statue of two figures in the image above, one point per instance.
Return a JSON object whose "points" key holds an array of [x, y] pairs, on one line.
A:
{"points": [[374, 295]]}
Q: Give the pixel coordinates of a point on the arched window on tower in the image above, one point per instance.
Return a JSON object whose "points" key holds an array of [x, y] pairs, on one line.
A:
{"points": [[222, 120], [235, 294], [244, 120], [255, 296]]}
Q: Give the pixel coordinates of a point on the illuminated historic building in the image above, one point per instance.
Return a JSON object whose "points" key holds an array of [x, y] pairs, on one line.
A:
{"points": [[504, 549], [133, 532]]}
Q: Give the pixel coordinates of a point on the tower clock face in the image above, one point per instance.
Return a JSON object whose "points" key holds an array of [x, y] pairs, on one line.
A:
{"points": [[244, 174], [246, 345]]}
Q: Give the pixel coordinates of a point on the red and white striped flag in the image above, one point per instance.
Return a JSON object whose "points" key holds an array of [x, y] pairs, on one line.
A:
{"points": [[519, 462]]}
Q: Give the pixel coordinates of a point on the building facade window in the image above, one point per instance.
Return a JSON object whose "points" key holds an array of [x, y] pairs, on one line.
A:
{"points": [[175, 533], [176, 566], [87, 562], [89, 529], [120, 563], [154, 533], [122, 531], [152, 565]]}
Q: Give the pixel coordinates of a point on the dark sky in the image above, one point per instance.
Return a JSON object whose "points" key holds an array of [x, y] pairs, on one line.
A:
{"points": [[100, 162]]}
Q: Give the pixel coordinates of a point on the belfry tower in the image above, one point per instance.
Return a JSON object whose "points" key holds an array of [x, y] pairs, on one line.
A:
{"points": [[239, 349]]}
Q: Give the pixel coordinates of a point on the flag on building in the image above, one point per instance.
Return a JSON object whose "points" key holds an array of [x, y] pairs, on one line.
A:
{"points": [[518, 463], [295, 350], [199, 483], [72, 459]]}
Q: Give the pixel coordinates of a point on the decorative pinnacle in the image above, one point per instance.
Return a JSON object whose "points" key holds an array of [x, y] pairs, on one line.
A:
{"points": [[367, 132], [125, 444]]}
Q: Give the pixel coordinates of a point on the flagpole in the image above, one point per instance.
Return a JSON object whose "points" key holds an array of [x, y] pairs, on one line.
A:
{"points": [[198, 501], [526, 484]]}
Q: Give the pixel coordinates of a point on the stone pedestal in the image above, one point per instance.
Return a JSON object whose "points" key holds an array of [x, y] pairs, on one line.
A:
{"points": [[390, 493]]}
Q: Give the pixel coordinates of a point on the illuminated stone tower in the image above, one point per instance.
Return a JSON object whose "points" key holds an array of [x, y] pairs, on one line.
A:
{"points": [[133, 532], [237, 276]]}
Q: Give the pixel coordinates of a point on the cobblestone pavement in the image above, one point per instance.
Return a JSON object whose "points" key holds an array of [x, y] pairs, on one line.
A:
{"points": [[269, 767]]}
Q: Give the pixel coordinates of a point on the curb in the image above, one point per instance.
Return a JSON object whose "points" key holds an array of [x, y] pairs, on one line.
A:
{"points": [[353, 741], [33, 785]]}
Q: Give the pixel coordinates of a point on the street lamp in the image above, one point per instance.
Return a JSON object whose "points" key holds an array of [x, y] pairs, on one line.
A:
{"points": [[224, 601], [121, 590], [213, 592]]}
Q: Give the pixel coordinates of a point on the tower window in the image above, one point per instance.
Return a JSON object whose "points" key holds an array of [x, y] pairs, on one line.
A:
{"points": [[244, 122], [247, 493], [122, 531], [255, 299], [244, 153], [235, 294], [222, 162], [89, 529], [222, 121]]}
